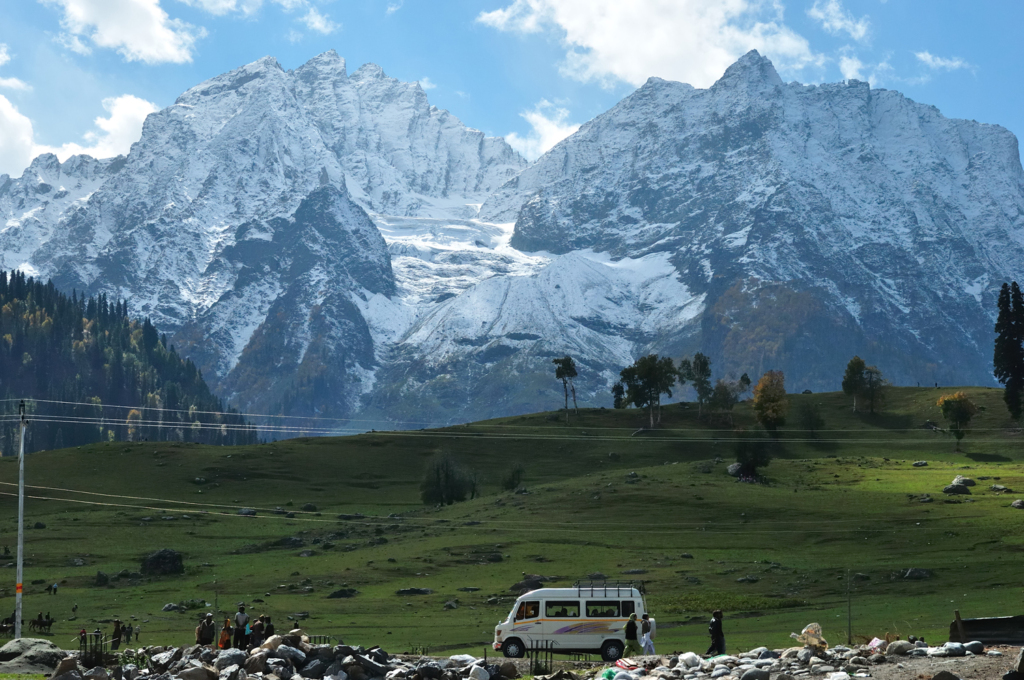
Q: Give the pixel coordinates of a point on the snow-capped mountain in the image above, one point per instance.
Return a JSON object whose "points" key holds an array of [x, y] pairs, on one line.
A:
{"points": [[817, 221], [315, 240]]}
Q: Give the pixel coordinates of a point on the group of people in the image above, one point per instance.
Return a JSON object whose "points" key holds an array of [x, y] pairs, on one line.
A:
{"points": [[640, 635], [123, 632], [239, 632]]}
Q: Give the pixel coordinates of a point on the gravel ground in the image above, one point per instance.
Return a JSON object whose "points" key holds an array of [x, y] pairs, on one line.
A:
{"points": [[896, 668], [966, 667]]}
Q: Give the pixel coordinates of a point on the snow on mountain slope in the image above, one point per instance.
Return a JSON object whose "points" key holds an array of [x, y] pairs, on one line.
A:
{"points": [[315, 239], [200, 226], [819, 220]]}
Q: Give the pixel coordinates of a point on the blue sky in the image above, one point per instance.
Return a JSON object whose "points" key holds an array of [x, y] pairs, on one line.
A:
{"points": [[80, 75]]}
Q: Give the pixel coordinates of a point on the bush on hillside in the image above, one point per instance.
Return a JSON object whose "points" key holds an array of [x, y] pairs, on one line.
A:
{"points": [[446, 482], [513, 477]]}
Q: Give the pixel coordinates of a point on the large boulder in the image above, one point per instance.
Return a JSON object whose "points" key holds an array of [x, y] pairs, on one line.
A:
{"points": [[42, 656], [230, 657], [1019, 504], [162, 563], [314, 669], [899, 647], [956, 490], [67, 665], [197, 673], [257, 662], [296, 656], [916, 574], [734, 469], [966, 481]]}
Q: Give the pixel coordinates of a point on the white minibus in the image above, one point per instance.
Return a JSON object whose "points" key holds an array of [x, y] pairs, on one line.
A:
{"points": [[590, 617]]}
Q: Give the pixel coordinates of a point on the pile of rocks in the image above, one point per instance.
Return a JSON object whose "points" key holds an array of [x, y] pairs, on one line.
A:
{"points": [[838, 663], [286, 657]]}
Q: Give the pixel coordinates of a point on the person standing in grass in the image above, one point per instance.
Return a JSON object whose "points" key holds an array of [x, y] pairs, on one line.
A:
{"points": [[256, 632], [206, 631], [241, 622], [717, 635], [268, 628], [225, 635], [128, 634], [138, 631], [633, 647], [115, 637]]}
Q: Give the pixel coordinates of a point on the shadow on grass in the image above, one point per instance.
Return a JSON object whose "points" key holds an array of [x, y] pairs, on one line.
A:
{"points": [[890, 421], [989, 458]]}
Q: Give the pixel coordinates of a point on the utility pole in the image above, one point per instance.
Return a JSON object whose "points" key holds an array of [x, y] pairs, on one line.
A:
{"points": [[21, 522], [849, 609]]}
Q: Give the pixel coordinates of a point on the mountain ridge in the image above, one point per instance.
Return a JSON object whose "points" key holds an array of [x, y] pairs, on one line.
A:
{"points": [[433, 274]]}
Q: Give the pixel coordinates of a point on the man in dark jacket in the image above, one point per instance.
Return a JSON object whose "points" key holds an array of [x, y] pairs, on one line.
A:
{"points": [[206, 631], [717, 636]]}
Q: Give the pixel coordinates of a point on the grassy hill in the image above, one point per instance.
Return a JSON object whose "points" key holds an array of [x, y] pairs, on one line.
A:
{"points": [[844, 501]]}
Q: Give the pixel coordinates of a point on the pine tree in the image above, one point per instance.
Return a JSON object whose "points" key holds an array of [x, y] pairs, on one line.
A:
{"points": [[1008, 357]]}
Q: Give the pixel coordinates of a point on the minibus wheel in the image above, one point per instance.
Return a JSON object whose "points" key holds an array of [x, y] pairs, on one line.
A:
{"points": [[612, 650], [513, 648]]}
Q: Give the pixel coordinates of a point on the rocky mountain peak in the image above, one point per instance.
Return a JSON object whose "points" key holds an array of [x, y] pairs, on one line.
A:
{"points": [[752, 70]]}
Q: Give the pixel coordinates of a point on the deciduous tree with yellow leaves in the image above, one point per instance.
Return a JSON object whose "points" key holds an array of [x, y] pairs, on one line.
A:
{"points": [[770, 402]]}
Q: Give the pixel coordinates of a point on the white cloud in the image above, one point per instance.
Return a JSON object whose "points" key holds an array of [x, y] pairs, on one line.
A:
{"points": [[73, 43], [10, 83], [321, 23], [294, 36], [835, 19], [139, 30], [394, 7], [549, 128], [931, 61], [14, 84], [850, 67], [113, 135], [15, 139], [245, 7], [427, 84], [689, 40]]}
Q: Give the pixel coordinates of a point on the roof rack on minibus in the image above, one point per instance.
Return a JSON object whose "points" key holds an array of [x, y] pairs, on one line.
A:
{"points": [[605, 588]]}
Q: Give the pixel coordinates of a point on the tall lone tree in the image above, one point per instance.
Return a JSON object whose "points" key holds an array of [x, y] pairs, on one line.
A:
{"points": [[958, 409], [770, 402], [1008, 358], [866, 382], [853, 379], [565, 370], [642, 384], [698, 372]]}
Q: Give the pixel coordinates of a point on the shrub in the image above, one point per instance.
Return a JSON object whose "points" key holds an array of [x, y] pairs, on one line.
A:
{"points": [[513, 477]]}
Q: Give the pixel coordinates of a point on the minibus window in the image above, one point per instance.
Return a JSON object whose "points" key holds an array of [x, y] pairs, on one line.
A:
{"points": [[528, 610], [562, 609], [628, 607], [601, 608]]}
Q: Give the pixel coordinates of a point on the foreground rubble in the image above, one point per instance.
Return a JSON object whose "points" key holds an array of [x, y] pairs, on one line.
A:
{"points": [[292, 657]]}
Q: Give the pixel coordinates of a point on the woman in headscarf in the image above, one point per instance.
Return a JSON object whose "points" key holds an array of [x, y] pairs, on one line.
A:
{"points": [[633, 647]]}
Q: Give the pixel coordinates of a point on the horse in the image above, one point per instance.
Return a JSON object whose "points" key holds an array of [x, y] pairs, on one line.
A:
{"points": [[41, 625]]}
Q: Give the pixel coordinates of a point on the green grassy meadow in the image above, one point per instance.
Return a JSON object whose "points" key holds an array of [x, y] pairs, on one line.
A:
{"points": [[845, 501]]}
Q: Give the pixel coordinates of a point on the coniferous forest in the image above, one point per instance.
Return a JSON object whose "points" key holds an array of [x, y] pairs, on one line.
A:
{"points": [[88, 372]]}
